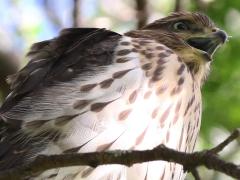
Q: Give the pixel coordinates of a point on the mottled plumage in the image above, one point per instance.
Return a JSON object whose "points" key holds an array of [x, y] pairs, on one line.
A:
{"points": [[94, 90]]}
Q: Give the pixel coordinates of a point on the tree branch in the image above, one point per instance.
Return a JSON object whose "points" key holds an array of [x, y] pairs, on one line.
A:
{"points": [[235, 134], [178, 6], [195, 174], [190, 161], [142, 13]]}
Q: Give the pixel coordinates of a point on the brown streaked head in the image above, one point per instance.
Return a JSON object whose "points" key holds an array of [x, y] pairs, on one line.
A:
{"points": [[193, 36]]}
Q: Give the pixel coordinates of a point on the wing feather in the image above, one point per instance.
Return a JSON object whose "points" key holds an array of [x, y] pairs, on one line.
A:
{"points": [[53, 64], [76, 48]]}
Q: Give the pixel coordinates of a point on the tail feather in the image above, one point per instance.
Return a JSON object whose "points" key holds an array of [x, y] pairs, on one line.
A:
{"points": [[16, 147]]}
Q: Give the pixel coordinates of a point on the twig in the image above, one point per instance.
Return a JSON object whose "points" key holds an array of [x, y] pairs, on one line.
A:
{"points": [[52, 14], [76, 13], [195, 174], [178, 6], [190, 161], [142, 13], [235, 134]]}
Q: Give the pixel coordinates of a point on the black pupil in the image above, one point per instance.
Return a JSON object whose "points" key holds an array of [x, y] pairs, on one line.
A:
{"points": [[181, 26]]}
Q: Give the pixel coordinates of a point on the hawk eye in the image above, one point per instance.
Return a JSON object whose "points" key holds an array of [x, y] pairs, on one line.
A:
{"points": [[180, 26]]}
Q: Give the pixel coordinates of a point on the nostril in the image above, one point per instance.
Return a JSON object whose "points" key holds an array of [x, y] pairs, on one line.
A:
{"points": [[214, 30], [222, 35]]}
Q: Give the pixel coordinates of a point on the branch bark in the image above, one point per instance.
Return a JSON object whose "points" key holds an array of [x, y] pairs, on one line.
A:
{"points": [[190, 161]]}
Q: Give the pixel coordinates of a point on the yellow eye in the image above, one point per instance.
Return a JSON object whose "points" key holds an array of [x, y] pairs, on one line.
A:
{"points": [[180, 26]]}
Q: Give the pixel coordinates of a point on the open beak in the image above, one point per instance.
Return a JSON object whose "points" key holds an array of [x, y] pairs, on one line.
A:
{"points": [[210, 43]]}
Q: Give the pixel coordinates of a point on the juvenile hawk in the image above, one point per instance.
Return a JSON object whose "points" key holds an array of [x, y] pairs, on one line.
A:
{"points": [[92, 89]]}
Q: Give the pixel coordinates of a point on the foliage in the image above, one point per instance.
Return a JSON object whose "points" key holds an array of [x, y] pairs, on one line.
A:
{"points": [[221, 92]]}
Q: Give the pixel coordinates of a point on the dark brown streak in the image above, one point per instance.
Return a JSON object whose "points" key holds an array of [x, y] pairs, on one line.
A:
{"points": [[87, 172], [141, 137], [143, 42], [165, 114], [176, 90], [162, 178], [104, 147], [120, 74], [77, 149], [106, 83], [190, 140], [147, 94], [158, 71], [161, 89], [181, 69], [61, 121], [181, 139], [160, 48], [175, 118], [124, 114], [178, 106], [147, 66], [123, 52], [122, 60], [133, 97], [145, 178], [163, 55], [180, 81], [161, 61], [80, 104], [189, 104], [125, 43], [155, 112], [36, 123], [169, 52], [87, 87], [157, 74], [149, 55], [97, 107]]}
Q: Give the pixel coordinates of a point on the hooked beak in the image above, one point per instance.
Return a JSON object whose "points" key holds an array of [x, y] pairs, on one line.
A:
{"points": [[208, 44]]}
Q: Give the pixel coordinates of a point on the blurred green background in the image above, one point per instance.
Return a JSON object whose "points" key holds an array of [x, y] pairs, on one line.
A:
{"points": [[24, 22]]}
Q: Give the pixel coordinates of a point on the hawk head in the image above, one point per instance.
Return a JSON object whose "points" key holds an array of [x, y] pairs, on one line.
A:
{"points": [[184, 32], [192, 36]]}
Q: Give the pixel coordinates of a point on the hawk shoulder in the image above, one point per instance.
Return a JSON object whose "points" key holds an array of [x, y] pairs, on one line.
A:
{"points": [[61, 59]]}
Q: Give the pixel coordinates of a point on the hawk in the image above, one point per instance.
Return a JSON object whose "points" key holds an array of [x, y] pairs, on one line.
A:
{"points": [[92, 89]]}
